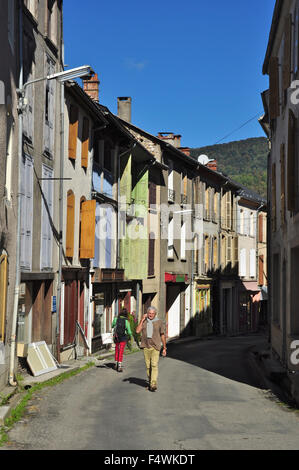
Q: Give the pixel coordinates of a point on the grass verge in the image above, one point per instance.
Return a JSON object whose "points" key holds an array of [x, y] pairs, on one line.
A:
{"points": [[19, 410]]}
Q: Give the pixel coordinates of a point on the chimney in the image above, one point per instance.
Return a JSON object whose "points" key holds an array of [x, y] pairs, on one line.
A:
{"points": [[212, 164], [91, 87], [185, 150], [170, 138], [124, 104]]}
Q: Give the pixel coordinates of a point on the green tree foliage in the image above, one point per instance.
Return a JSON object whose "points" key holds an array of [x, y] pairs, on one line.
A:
{"points": [[244, 161]]}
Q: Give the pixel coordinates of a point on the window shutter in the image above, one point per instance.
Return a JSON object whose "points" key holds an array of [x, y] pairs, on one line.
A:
{"points": [[229, 250], [26, 213], [291, 161], [252, 263], [215, 253], [3, 294], [152, 194], [47, 215], [287, 53], [236, 252], [185, 185], [151, 255], [228, 210], [70, 224], [73, 132], [87, 239], [183, 241], [274, 87], [261, 270], [273, 212], [85, 143], [242, 272], [282, 185]]}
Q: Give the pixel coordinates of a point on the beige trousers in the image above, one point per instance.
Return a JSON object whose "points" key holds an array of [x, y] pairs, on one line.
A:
{"points": [[151, 357]]}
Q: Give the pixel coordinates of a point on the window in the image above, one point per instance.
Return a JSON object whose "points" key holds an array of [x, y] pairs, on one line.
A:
{"points": [[207, 254], [296, 41], [215, 254], [26, 212], [70, 224], [47, 218], [251, 224], [171, 193], [85, 143], [292, 164], [51, 21], [49, 108]]}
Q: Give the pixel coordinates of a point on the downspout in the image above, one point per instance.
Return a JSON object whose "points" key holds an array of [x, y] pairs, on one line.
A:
{"points": [[61, 172], [12, 382]]}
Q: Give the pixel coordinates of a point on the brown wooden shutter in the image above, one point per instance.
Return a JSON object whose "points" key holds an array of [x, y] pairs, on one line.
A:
{"points": [[261, 270], [73, 132], [88, 217], [274, 88], [151, 255], [286, 77], [273, 214], [291, 162], [70, 225], [282, 184], [85, 143], [185, 183]]}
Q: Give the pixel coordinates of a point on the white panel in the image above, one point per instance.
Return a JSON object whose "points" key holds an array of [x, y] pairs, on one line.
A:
{"points": [[174, 318], [170, 239], [242, 266], [252, 263], [183, 241]]}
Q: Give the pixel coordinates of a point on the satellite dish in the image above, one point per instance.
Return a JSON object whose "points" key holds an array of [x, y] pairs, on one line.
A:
{"points": [[203, 159]]}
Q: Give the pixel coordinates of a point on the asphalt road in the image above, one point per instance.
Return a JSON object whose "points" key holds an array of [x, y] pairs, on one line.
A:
{"points": [[209, 397]]}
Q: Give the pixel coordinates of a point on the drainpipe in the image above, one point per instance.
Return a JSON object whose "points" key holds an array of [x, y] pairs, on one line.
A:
{"points": [[12, 382]]}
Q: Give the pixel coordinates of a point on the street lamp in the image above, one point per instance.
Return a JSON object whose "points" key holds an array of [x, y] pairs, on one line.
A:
{"points": [[61, 77]]}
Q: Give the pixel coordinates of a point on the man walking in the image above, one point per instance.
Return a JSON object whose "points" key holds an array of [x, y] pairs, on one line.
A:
{"points": [[152, 333]]}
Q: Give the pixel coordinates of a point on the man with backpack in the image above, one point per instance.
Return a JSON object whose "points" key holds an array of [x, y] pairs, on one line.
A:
{"points": [[122, 334]]}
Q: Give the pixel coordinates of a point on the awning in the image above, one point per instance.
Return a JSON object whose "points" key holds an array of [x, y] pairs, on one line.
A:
{"points": [[251, 286]]}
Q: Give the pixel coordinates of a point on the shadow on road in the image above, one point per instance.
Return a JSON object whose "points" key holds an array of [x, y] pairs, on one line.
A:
{"points": [[137, 381], [229, 357]]}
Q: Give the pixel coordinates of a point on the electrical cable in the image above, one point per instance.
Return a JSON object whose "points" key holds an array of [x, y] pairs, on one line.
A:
{"points": [[243, 125]]}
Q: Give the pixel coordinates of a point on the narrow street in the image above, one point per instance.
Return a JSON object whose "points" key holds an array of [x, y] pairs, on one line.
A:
{"points": [[209, 397]]}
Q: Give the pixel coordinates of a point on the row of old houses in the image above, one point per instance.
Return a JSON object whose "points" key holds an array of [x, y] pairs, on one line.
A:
{"points": [[98, 214], [280, 123]]}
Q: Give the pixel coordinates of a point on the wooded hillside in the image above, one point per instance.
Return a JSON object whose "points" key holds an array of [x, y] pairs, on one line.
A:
{"points": [[245, 161]]}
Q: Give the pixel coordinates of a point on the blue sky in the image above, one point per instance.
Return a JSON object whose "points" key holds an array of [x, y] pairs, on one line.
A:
{"points": [[192, 67]]}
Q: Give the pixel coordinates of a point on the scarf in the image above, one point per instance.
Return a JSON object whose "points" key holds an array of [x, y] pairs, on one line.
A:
{"points": [[150, 327]]}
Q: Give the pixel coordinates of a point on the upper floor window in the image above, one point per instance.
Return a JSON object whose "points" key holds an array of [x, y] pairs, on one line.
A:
{"points": [[31, 5], [51, 20], [49, 108]]}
